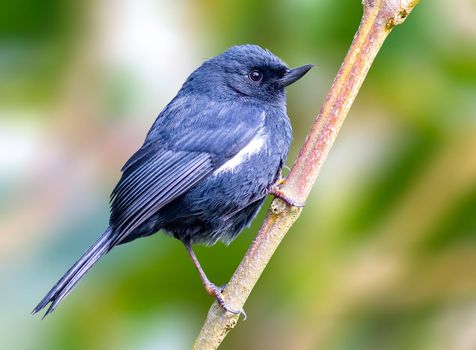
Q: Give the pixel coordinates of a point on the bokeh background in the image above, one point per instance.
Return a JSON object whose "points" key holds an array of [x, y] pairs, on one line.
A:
{"points": [[384, 254]]}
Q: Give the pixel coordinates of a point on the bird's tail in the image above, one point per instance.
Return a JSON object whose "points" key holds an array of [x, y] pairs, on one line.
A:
{"points": [[74, 274]]}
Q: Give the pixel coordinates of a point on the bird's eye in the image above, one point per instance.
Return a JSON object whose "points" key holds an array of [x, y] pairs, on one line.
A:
{"points": [[255, 75]]}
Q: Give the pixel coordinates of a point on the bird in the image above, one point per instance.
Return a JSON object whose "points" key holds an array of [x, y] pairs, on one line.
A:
{"points": [[208, 162]]}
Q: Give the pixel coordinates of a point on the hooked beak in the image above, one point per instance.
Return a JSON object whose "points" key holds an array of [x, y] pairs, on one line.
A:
{"points": [[294, 74]]}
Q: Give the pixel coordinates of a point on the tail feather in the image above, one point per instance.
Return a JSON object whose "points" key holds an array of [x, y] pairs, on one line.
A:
{"points": [[64, 286]]}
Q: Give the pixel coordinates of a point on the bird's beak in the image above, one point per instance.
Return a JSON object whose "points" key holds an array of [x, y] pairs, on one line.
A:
{"points": [[294, 74]]}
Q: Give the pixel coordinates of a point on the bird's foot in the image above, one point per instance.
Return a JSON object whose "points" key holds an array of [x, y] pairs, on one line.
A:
{"points": [[211, 288], [216, 292], [275, 190]]}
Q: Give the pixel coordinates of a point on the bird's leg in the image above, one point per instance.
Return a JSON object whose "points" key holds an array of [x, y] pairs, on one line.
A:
{"points": [[275, 190], [210, 287]]}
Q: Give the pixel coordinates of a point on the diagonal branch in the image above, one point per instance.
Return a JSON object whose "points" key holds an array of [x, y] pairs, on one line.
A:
{"points": [[379, 17]]}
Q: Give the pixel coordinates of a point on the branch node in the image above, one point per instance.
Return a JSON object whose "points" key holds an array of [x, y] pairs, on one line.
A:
{"points": [[278, 206], [398, 11], [399, 18]]}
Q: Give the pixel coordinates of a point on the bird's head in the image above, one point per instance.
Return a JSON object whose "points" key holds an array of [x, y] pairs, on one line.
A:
{"points": [[247, 71]]}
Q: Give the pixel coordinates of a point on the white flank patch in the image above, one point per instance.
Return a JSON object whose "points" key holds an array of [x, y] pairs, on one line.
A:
{"points": [[254, 146]]}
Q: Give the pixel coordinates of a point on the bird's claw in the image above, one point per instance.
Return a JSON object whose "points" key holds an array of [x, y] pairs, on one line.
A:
{"points": [[216, 292], [275, 190]]}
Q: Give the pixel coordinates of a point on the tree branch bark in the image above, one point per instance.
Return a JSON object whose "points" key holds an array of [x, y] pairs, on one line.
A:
{"points": [[379, 18]]}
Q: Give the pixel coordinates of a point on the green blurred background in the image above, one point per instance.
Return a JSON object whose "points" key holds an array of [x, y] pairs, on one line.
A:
{"points": [[384, 254]]}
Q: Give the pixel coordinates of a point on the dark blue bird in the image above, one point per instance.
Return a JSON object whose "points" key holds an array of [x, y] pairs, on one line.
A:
{"points": [[208, 162]]}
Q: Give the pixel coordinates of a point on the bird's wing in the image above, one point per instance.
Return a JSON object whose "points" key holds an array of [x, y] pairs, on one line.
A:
{"points": [[146, 188], [170, 164]]}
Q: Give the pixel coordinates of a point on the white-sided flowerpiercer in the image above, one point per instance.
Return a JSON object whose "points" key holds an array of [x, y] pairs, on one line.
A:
{"points": [[208, 162]]}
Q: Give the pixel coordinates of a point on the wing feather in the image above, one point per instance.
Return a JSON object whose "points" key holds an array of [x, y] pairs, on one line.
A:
{"points": [[155, 183], [141, 182]]}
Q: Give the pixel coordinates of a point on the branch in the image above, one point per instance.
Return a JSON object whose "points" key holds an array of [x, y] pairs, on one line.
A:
{"points": [[379, 17]]}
